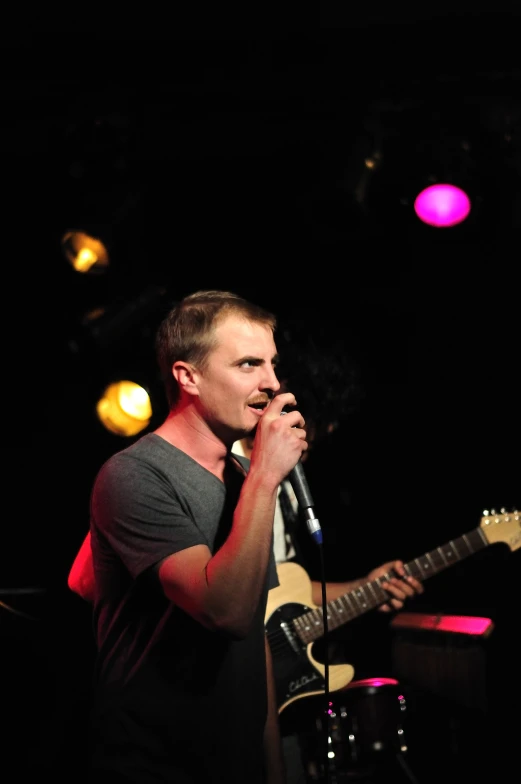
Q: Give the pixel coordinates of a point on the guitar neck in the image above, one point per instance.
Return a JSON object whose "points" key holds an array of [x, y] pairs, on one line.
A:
{"points": [[310, 625]]}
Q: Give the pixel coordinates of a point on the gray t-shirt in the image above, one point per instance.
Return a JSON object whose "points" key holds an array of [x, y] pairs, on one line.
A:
{"points": [[173, 699]]}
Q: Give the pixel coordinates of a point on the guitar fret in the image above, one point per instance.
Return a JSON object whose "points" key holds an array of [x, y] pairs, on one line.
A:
{"points": [[336, 616], [422, 568], [339, 609], [455, 546], [448, 553], [383, 593], [352, 610], [301, 624], [359, 595], [445, 555], [376, 599], [464, 539], [316, 618], [306, 625], [301, 628], [438, 559]]}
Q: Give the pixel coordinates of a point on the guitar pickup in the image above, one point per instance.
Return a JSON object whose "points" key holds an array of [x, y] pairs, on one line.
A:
{"points": [[290, 636]]}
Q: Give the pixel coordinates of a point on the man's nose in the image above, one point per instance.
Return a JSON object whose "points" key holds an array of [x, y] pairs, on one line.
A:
{"points": [[270, 380]]}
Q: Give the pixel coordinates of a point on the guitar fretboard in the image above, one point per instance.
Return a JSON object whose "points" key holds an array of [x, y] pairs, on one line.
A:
{"points": [[310, 626]]}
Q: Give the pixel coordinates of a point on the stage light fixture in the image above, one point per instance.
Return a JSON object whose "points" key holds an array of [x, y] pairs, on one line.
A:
{"points": [[442, 205], [124, 408], [87, 254]]}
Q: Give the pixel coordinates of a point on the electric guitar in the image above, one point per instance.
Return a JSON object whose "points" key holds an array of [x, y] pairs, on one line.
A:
{"points": [[293, 623]]}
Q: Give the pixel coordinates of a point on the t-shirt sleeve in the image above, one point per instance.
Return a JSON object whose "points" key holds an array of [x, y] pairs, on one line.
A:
{"points": [[139, 514]]}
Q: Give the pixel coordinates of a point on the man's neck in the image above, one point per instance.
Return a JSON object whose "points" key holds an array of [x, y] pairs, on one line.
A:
{"points": [[192, 436]]}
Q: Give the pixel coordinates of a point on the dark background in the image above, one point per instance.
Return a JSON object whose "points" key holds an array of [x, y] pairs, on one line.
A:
{"points": [[213, 156]]}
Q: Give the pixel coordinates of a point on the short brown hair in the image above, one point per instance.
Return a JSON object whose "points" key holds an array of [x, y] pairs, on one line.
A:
{"points": [[188, 330]]}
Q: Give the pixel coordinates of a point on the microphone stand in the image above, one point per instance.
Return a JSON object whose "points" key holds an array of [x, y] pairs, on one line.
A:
{"points": [[300, 487], [325, 723]]}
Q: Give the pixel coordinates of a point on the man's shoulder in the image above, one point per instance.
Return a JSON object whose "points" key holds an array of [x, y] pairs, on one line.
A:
{"points": [[149, 452], [145, 446]]}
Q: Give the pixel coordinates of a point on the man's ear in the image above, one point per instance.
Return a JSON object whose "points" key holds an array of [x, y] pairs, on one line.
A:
{"points": [[186, 376]]}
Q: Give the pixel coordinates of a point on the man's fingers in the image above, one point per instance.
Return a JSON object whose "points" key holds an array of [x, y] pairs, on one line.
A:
{"points": [[398, 588], [292, 418], [281, 400]]}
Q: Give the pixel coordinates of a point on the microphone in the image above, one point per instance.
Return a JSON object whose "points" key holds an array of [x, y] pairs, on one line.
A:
{"points": [[299, 483]]}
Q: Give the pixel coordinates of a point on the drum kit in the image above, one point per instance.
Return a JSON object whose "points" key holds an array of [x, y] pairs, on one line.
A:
{"points": [[366, 735]]}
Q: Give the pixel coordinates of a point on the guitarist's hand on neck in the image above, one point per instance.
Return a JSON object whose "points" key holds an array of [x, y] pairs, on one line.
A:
{"points": [[400, 586]]}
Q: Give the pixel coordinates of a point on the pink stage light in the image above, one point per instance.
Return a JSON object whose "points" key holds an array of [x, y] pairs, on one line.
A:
{"points": [[442, 205]]}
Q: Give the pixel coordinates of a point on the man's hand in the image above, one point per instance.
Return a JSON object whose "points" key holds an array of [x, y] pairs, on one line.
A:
{"points": [[279, 440], [400, 586]]}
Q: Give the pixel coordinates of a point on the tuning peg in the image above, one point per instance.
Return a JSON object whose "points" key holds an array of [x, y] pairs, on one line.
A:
{"points": [[485, 513]]}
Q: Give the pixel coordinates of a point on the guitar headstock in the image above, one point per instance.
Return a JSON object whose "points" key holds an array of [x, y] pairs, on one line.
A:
{"points": [[502, 527]]}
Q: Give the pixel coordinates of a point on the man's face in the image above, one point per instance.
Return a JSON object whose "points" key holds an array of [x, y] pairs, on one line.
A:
{"points": [[239, 379]]}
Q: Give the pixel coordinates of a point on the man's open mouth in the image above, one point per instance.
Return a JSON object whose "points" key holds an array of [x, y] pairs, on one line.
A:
{"points": [[258, 406]]}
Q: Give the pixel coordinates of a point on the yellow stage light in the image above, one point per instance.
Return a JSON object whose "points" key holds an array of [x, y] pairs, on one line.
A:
{"points": [[124, 408], [85, 253]]}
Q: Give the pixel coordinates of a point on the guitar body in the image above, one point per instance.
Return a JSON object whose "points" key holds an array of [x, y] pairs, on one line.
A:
{"points": [[297, 673]]}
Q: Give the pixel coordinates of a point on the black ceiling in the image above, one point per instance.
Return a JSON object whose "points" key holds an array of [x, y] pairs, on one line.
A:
{"points": [[211, 155]]}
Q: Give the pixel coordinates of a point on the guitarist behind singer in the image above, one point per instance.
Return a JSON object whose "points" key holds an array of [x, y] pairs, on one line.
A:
{"points": [[325, 384]]}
